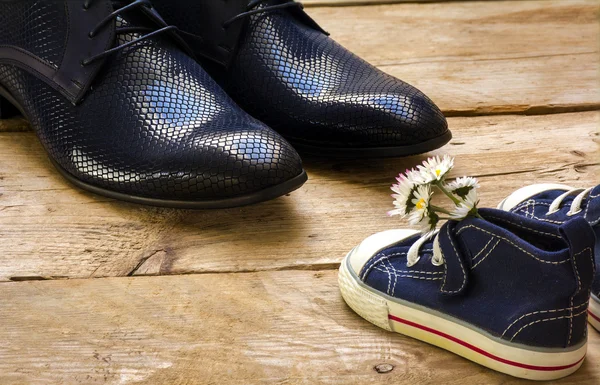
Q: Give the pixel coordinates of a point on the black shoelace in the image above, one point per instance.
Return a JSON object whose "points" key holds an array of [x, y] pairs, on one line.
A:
{"points": [[253, 8], [107, 19]]}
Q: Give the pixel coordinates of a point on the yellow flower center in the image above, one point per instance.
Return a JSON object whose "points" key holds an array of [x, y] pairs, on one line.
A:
{"points": [[420, 204], [438, 172]]}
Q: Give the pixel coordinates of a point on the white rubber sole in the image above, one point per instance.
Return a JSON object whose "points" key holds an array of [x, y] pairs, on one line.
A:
{"points": [[512, 359], [594, 313]]}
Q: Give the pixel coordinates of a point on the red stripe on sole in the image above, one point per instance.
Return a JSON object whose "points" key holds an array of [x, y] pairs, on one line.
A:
{"points": [[594, 316], [481, 351]]}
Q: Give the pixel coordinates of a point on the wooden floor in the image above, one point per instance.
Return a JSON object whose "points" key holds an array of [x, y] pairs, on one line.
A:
{"points": [[97, 291]]}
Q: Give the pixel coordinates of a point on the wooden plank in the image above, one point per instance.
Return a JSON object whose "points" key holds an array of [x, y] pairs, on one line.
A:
{"points": [[256, 328], [477, 58], [342, 3], [482, 57], [50, 229]]}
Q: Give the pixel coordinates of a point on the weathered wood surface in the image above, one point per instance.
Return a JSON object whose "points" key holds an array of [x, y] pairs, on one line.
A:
{"points": [[327, 3], [50, 229], [481, 57], [257, 328], [478, 57], [291, 327]]}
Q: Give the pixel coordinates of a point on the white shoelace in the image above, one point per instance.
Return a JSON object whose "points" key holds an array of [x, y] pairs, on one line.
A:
{"points": [[412, 257], [575, 205]]}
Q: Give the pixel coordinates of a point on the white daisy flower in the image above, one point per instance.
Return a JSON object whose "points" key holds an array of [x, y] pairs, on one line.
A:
{"points": [[462, 186], [407, 183], [420, 202], [436, 168], [466, 206]]}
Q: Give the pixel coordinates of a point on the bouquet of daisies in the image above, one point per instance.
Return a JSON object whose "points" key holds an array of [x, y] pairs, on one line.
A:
{"points": [[415, 187]]}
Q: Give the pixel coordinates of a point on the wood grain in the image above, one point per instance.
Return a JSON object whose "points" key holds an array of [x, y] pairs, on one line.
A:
{"points": [[481, 57], [255, 328], [50, 229], [341, 3], [477, 58]]}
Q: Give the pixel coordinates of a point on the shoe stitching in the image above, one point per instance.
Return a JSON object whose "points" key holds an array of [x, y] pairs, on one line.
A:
{"points": [[488, 253], [532, 204], [540, 312], [528, 203], [515, 245], [585, 214], [412, 276], [395, 277], [459, 263], [384, 259], [482, 249], [525, 227], [366, 269], [587, 249], [548, 319], [389, 277]]}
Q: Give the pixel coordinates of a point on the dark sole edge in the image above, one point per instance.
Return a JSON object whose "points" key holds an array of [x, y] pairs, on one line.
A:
{"points": [[244, 200], [373, 152]]}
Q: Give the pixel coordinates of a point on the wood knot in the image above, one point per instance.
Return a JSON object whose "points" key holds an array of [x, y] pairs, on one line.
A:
{"points": [[383, 368]]}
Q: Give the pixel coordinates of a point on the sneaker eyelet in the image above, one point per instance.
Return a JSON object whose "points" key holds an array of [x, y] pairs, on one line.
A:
{"points": [[571, 213]]}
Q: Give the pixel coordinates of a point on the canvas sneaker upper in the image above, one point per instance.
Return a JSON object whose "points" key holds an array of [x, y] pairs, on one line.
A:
{"points": [[517, 279], [557, 204]]}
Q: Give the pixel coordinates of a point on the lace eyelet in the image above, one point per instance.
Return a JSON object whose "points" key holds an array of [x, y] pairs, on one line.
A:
{"points": [[571, 213], [551, 212]]}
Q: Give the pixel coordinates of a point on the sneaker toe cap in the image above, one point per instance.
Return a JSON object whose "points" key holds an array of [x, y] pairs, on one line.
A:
{"points": [[369, 248]]}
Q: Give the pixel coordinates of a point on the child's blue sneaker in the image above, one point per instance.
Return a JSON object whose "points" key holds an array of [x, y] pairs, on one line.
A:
{"points": [[505, 291], [555, 203]]}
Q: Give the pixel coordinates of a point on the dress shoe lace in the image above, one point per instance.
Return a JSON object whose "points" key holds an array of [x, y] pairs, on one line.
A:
{"points": [[254, 7], [124, 6], [575, 205]]}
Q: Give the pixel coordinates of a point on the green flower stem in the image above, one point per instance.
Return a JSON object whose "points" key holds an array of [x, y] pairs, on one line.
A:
{"points": [[439, 209], [439, 185]]}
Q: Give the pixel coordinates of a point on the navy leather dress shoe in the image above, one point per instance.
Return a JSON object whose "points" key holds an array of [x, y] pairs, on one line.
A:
{"points": [[282, 68], [505, 291], [124, 111], [557, 203]]}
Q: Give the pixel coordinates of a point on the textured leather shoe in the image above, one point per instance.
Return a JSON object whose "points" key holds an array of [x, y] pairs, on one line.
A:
{"points": [[124, 111], [282, 68]]}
